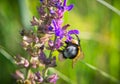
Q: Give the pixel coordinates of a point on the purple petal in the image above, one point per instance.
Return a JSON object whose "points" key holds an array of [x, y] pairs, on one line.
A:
{"points": [[42, 56], [39, 77], [55, 25], [53, 78], [59, 22], [65, 27], [58, 32], [53, 62], [70, 7], [26, 63], [52, 11], [58, 5], [50, 28], [64, 3], [69, 38], [73, 32], [50, 43], [41, 0], [58, 43], [38, 74]]}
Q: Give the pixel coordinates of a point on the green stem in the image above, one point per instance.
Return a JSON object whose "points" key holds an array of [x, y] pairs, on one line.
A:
{"points": [[28, 68], [27, 72], [50, 55], [44, 71]]}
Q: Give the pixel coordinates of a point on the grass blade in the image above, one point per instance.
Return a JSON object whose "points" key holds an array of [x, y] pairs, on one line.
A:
{"points": [[101, 72], [109, 6], [25, 13]]}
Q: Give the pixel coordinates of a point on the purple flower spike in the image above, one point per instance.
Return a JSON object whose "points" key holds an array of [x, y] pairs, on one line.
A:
{"points": [[41, 38]]}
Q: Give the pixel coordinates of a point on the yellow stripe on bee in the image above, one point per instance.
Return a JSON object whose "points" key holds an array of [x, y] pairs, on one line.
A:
{"points": [[74, 41]]}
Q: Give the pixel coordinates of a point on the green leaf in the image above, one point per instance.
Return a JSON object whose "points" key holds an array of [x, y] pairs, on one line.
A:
{"points": [[6, 55]]}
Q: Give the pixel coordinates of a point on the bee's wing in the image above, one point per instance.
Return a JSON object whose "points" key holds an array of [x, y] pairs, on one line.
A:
{"points": [[61, 58], [79, 56]]}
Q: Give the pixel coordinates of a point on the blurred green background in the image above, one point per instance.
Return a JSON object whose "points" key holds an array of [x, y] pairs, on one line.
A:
{"points": [[99, 27]]}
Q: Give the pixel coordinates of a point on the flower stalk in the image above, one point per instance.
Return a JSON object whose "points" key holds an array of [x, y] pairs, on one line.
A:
{"points": [[39, 39]]}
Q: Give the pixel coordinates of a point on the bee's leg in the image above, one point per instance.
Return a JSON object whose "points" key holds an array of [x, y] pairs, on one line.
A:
{"points": [[66, 42], [78, 39], [59, 50]]}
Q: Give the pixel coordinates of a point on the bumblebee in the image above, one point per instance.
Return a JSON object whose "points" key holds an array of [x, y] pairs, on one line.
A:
{"points": [[72, 50]]}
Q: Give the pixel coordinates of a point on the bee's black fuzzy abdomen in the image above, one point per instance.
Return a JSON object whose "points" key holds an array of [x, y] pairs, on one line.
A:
{"points": [[70, 51]]}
